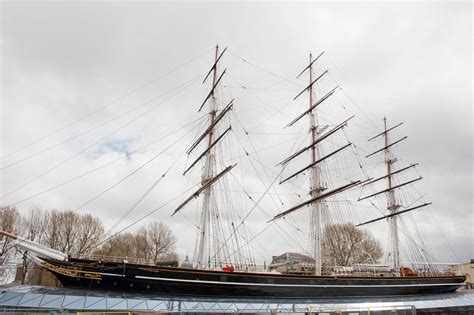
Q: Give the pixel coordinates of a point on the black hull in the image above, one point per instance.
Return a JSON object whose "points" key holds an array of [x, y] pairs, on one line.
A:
{"points": [[199, 283]]}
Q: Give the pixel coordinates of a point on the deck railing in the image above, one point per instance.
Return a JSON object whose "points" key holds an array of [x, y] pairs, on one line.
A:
{"points": [[420, 269], [121, 259]]}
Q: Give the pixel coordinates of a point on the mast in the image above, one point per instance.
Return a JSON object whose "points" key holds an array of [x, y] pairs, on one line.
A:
{"points": [[392, 206], [207, 175], [316, 202], [314, 186], [209, 229]]}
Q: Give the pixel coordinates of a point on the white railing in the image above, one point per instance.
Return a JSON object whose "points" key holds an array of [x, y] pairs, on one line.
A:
{"points": [[141, 261], [121, 259]]}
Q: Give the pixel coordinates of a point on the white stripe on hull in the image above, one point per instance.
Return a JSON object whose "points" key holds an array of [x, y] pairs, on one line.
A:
{"points": [[301, 285]]}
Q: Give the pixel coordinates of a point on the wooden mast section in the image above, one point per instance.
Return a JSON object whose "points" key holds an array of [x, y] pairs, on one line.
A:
{"points": [[392, 206], [315, 185], [204, 245]]}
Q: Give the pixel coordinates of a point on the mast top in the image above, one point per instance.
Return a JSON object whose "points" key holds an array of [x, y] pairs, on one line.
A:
{"points": [[310, 64], [215, 62]]}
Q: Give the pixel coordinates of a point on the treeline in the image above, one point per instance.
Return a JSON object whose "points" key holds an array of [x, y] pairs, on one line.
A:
{"points": [[153, 242], [80, 234]]}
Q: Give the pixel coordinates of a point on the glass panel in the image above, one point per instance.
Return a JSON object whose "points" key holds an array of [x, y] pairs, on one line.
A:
{"points": [[100, 305], [52, 301], [7, 296], [78, 304], [136, 304], [31, 300], [111, 302], [156, 305], [11, 298], [120, 305], [94, 303]]}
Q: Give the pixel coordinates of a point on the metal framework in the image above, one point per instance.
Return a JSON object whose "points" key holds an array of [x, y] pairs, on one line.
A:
{"points": [[34, 299]]}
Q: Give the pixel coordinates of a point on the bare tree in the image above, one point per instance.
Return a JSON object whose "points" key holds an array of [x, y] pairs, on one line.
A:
{"points": [[65, 231], [33, 224], [152, 242], [121, 245], [9, 221], [78, 234], [140, 245], [370, 249], [52, 230], [68, 231], [91, 231], [344, 244], [62, 230], [161, 240], [72, 233], [32, 228]]}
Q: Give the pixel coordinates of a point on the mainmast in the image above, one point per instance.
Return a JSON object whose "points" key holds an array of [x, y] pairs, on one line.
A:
{"points": [[317, 190], [314, 186], [207, 175], [392, 206]]}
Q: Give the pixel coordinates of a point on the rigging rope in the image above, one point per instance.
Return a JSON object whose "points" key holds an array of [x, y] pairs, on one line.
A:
{"points": [[263, 69], [107, 105], [100, 140], [136, 170], [104, 123], [145, 216], [102, 166], [250, 211]]}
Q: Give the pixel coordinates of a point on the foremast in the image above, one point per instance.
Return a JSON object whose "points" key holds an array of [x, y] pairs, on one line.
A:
{"points": [[209, 237]]}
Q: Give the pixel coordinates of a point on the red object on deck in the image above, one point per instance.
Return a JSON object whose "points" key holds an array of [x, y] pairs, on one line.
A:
{"points": [[228, 269], [407, 272]]}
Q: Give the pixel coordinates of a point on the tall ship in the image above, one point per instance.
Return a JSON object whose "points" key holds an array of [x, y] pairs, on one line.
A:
{"points": [[221, 267]]}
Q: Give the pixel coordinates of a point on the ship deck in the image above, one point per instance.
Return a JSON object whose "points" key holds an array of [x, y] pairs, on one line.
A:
{"points": [[28, 298]]}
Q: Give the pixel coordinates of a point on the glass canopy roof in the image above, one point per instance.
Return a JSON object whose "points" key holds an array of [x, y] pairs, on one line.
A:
{"points": [[45, 298]]}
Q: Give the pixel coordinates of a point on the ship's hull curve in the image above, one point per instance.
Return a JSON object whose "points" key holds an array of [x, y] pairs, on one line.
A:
{"points": [[193, 283]]}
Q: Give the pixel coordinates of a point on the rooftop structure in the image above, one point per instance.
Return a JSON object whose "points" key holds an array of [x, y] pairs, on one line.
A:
{"points": [[293, 263], [465, 269]]}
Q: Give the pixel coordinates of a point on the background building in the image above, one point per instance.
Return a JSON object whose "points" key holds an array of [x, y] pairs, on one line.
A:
{"points": [[292, 263], [465, 269]]}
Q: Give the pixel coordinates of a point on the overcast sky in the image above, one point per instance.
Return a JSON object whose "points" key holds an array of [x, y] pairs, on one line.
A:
{"points": [[411, 62]]}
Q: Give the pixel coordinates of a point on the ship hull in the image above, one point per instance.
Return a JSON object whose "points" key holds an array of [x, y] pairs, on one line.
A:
{"points": [[201, 283]]}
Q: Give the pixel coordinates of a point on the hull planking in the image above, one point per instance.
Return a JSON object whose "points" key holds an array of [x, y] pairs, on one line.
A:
{"points": [[205, 283]]}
